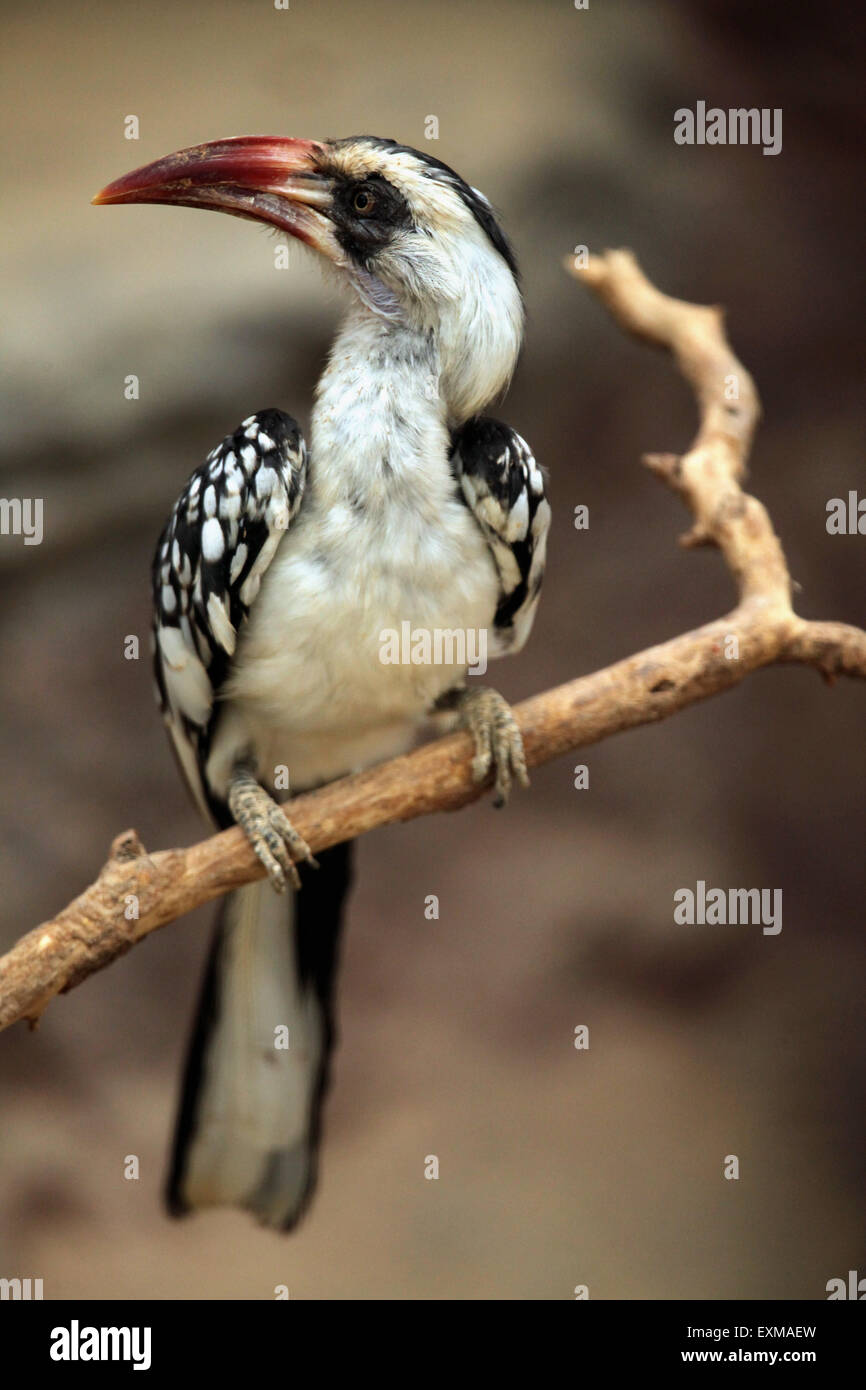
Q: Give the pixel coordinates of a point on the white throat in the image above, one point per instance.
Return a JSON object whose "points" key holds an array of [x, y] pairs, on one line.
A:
{"points": [[379, 424], [399, 379]]}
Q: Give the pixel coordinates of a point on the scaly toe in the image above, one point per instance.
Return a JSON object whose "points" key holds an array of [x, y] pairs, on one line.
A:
{"points": [[290, 837], [481, 765], [276, 876], [498, 742]]}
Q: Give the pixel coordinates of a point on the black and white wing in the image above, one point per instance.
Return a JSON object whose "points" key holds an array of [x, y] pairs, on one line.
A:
{"points": [[208, 566], [503, 487]]}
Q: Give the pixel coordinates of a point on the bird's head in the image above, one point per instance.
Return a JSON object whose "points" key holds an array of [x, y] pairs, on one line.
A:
{"points": [[418, 244]]}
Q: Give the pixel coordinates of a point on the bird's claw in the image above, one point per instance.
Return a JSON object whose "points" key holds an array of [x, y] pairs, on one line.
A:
{"points": [[498, 741], [274, 839]]}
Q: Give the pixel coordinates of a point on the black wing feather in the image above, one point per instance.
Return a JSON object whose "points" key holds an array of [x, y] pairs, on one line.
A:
{"points": [[209, 562], [503, 487]]}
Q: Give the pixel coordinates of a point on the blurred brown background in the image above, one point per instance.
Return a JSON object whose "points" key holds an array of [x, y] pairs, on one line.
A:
{"points": [[557, 1167]]}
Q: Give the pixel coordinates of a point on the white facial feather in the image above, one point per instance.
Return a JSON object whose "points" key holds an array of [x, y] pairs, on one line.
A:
{"points": [[448, 279]]}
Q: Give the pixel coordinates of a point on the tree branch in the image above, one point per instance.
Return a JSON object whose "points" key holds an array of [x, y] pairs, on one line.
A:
{"points": [[760, 631]]}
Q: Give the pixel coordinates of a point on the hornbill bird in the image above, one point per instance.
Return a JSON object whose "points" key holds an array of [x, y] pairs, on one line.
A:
{"points": [[277, 575]]}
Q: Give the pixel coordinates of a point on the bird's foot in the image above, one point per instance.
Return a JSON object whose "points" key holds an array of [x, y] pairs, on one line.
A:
{"points": [[498, 742], [269, 831]]}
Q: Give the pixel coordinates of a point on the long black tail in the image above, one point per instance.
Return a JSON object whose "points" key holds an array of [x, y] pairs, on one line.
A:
{"points": [[258, 1065]]}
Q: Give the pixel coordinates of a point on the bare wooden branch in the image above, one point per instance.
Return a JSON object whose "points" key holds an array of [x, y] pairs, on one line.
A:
{"points": [[137, 892]]}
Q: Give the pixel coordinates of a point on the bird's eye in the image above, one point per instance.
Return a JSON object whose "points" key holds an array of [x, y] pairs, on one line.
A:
{"points": [[363, 202]]}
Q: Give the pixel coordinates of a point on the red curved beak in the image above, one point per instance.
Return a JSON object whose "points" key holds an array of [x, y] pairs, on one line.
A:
{"points": [[267, 178]]}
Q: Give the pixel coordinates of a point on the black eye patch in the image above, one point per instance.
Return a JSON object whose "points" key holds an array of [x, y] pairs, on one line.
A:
{"points": [[367, 213]]}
